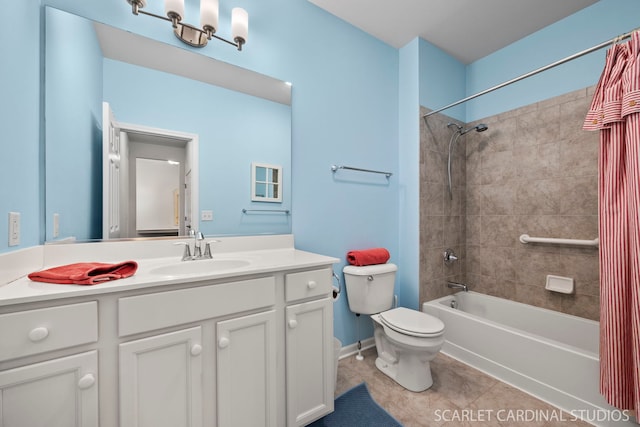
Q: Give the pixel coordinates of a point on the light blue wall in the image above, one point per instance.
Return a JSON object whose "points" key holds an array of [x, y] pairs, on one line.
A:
{"points": [[595, 24], [234, 129], [345, 103], [442, 80], [20, 123], [73, 109], [408, 286]]}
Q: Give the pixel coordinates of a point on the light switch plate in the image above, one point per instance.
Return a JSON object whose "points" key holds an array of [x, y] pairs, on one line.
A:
{"points": [[56, 225], [206, 216], [14, 228]]}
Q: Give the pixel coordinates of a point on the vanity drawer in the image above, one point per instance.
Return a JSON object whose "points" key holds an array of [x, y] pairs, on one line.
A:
{"points": [[37, 331], [307, 284], [143, 313]]}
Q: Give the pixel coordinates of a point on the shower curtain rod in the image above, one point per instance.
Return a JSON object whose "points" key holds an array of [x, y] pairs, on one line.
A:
{"points": [[534, 72]]}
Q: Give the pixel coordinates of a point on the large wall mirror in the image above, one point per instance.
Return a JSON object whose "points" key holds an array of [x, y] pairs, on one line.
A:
{"points": [[173, 108]]}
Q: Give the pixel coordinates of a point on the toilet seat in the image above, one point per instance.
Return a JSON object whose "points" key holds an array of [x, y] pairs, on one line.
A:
{"points": [[412, 322]]}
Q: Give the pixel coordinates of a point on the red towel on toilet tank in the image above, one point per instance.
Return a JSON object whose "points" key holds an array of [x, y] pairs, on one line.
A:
{"points": [[368, 256], [85, 273]]}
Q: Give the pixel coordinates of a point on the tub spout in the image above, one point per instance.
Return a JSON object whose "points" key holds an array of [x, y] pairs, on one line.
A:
{"points": [[456, 285]]}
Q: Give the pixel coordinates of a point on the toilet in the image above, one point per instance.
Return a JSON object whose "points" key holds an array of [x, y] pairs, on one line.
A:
{"points": [[406, 340]]}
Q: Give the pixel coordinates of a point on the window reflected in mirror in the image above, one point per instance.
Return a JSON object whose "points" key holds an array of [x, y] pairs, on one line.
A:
{"points": [[266, 182]]}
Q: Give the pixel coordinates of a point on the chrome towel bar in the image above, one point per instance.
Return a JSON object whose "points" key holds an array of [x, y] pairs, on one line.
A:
{"points": [[284, 211], [334, 168], [525, 238]]}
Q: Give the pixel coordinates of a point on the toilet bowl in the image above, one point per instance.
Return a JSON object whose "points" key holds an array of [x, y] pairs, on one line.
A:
{"points": [[406, 340]]}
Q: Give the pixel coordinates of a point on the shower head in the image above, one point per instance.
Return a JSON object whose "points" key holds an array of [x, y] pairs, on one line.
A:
{"points": [[478, 128], [481, 127]]}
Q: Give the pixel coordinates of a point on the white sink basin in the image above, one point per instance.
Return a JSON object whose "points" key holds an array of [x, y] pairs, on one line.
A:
{"points": [[199, 267]]}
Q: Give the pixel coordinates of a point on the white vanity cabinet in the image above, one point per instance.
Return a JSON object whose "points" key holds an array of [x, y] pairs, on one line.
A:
{"points": [[56, 393], [309, 346], [49, 391], [250, 349], [161, 380], [246, 368], [243, 353]]}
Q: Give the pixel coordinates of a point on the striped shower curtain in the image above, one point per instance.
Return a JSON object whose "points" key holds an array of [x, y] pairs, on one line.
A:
{"points": [[615, 112]]}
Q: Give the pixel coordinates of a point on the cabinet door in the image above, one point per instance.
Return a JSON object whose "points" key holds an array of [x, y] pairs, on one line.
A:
{"points": [[161, 380], [309, 361], [56, 393], [246, 386]]}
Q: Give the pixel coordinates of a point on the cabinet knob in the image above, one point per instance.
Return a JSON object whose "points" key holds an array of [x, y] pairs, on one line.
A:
{"points": [[86, 381], [38, 334], [223, 342], [311, 284], [293, 323], [196, 349]]}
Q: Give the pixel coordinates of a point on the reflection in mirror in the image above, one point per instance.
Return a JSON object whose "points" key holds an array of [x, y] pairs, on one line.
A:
{"points": [[267, 183], [157, 187], [174, 91], [127, 192]]}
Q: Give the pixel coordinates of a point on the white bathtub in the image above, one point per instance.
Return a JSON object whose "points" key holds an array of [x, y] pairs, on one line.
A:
{"points": [[551, 355]]}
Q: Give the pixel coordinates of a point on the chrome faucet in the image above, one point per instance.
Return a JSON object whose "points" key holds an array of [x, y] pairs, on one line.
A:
{"points": [[198, 238], [456, 285], [449, 256]]}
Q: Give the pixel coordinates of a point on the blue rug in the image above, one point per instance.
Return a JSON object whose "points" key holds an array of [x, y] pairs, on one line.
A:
{"points": [[356, 408]]}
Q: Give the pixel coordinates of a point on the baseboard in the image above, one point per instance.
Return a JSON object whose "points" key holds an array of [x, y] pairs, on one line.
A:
{"points": [[351, 349]]}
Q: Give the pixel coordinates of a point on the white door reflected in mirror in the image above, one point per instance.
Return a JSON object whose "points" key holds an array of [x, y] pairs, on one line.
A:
{"points": [[148, 180], [157, 195]]}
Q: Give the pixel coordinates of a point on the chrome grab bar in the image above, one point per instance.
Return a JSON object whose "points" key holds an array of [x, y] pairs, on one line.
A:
{"points": [[525, 238]]}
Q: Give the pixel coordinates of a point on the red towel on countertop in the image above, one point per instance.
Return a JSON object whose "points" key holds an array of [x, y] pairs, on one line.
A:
{"points": [[368, 256], [85, 273]]}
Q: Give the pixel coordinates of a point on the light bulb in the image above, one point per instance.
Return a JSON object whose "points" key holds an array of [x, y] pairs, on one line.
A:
{"points": [[239, 25], [209, 15], [174, 9]]}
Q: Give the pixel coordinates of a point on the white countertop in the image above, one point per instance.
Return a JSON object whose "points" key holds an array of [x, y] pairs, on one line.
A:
{"points": [[260, 261]]}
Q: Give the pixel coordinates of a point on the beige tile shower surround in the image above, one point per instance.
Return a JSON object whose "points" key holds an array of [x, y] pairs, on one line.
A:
{"points": [[533, 171]]}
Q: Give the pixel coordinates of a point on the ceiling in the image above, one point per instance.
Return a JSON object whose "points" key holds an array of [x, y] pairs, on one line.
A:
{"points": [[465, 29]]}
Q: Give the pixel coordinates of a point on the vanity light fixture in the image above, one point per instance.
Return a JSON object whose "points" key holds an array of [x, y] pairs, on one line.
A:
{"points": [[198, 37]]}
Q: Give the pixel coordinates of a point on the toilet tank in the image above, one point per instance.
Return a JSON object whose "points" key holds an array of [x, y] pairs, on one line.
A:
{"points": [[370, 288]]}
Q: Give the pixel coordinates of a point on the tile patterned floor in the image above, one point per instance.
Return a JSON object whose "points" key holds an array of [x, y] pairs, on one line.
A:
{"points": [[460, 396]]}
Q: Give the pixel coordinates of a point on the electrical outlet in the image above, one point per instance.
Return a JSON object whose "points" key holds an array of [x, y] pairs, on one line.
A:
{"points": [[56, 225], [206, 215], [14, 228]]}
